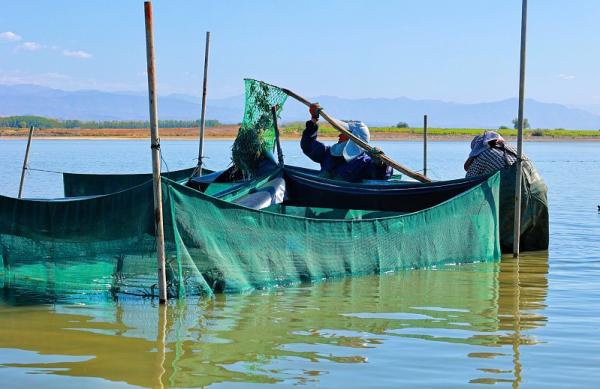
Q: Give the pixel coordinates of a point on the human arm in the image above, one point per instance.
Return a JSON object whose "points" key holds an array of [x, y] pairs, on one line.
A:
{"points": [[475, 168], [378, 169], [364, 168], [383, 172], [311, 147]]}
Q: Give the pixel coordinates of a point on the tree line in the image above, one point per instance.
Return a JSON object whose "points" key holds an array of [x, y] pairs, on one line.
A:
{"points": [[43, 122]]}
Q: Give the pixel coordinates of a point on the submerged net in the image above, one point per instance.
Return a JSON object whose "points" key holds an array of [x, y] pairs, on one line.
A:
{"points": [[256, 135]]}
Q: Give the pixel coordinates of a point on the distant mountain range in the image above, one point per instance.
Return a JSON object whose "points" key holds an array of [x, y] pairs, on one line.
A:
{"points": [[97, 105]]}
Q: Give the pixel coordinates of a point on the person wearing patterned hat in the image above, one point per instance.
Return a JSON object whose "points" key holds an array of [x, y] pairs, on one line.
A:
{"points": [[344, 160], [489, 153]]}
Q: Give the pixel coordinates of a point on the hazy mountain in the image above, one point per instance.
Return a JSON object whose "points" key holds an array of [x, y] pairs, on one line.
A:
{"points": [[444, 114], [85, 104], [97, 105], [592, 108]]}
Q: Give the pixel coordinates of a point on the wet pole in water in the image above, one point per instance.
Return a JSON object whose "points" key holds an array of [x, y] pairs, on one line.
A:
{"points": [[25, 162], [155, 147], [203, 112], [517, 225], [425, 145]]}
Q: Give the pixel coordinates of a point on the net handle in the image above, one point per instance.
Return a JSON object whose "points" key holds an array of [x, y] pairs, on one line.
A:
{"points": [[364, 145]]}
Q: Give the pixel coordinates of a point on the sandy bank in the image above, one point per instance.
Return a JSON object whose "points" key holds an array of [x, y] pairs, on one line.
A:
{"points": [[229, 133]]}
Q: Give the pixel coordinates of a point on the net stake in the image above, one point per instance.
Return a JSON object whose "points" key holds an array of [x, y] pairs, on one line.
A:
{"points": [[364, 145], [198, 171], [517, 220], [425, 145], [25, 162], [155, 148]]}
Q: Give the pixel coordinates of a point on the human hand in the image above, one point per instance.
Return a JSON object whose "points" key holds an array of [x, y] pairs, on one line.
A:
{"points": [[375, 155], [315, 109]]}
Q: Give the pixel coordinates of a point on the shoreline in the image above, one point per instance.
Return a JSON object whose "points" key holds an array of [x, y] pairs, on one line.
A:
{"points": [[375, 137], [229, 132]]}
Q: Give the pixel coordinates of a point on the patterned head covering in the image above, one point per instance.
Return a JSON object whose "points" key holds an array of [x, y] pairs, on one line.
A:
{"points": [[482, 142]]}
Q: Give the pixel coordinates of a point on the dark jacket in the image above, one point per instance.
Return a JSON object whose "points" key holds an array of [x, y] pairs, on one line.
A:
{"points": [[360, 168]]}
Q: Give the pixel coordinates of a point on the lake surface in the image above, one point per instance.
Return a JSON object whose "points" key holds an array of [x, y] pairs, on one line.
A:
{"points": [[528, 323]]}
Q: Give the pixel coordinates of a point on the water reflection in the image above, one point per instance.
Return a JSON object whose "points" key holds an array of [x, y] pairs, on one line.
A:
{"points": [[483, 313]]}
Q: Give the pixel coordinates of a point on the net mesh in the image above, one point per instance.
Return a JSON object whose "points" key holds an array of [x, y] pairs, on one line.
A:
{"points": [[104, 245], [241, 249], [256, 135]]}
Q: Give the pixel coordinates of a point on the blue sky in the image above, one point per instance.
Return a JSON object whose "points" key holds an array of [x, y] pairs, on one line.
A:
{"points": [[460, 50]]}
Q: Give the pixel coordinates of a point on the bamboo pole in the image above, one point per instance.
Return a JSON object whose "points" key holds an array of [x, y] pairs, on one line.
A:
{"points": [[155, 147], [517, 221], [361, 143], [277, 136], [425, 145], [25, 162], [203, 112]]}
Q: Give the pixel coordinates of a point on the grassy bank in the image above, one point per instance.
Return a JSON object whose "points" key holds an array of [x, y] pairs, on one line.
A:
{"points": [[293, 131], [17, 126], [296, 128]]}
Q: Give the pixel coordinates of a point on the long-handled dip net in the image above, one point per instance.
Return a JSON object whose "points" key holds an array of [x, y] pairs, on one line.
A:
{"points": [[256, 135]]}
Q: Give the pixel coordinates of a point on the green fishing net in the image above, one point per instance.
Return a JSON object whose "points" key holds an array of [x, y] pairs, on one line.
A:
{"points": [[256, 135], [96, 247]]}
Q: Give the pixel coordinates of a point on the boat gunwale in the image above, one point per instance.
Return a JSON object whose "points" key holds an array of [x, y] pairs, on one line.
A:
{"points": [[196, 193]]}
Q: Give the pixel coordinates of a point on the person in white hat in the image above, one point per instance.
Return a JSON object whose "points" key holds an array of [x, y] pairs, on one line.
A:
{"points": [[345, 160]]}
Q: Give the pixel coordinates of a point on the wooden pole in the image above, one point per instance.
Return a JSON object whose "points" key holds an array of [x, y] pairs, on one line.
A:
{"points": [[517, 221], [155, 147], [277, 136], [25, 162], [203, 112], [361, 143], [424, 145]]}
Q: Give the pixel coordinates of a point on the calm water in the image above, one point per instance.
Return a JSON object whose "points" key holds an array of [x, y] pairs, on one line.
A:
{"points": [[532, 323]]}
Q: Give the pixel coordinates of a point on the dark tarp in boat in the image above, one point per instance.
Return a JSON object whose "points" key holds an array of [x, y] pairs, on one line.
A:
{"points": [[86, 184], [105, 244]]}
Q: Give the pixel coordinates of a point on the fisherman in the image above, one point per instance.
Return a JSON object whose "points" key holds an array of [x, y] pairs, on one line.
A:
{"points": [[489, 153], [345, 160]]}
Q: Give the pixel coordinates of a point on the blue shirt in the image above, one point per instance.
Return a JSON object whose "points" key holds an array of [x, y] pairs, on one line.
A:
{"points": [[360, 168]]}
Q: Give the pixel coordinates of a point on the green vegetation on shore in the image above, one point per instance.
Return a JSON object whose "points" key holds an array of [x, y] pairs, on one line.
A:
{"points": [[17, 125], [44, 123], [296, 128]]}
